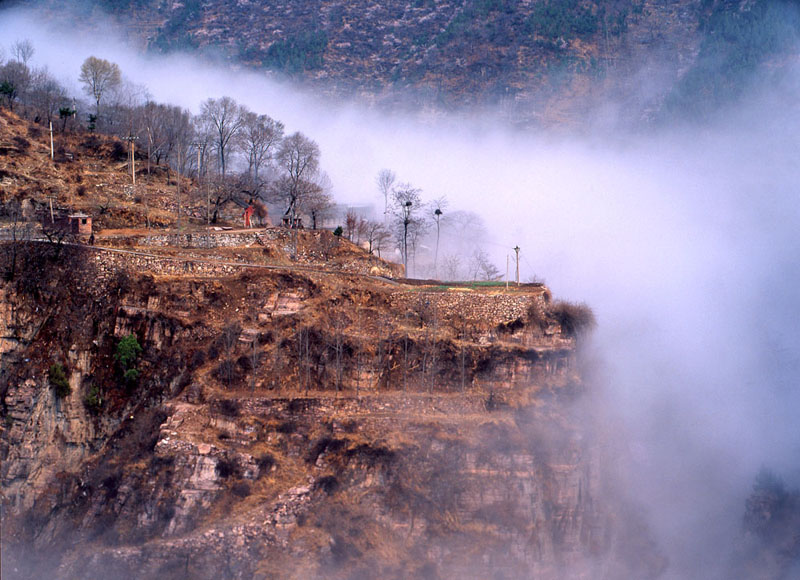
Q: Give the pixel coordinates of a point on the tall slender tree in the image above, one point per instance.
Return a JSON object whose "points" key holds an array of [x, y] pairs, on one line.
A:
{"points": [[260, 135], [385, 181], [23, 51], [224, 118], [98, 77], [407, 208], [298, 156]]}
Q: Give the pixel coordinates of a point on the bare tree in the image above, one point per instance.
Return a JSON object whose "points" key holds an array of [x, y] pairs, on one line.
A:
{"points": [[407, 208], [178, 135], [385, 181], [125, 103], [153, 119], [277, 369], [362, 227], [230, 337], [21, 232], [319, 202], [382, 361], [260, 136], [298, 157], [47, 95], [350, 224], [302, 342], [224, 118], [377, 235], [338, 323], [23, 51], [451, 265], [15, 78], [98, 77], [230, 189], [466, 227], [482, 267]]}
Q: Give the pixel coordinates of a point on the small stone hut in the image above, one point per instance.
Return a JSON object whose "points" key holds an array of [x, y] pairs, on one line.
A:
{"points": [[80, 224]]}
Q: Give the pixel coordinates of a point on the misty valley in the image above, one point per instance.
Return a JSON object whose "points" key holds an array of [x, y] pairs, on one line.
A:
{"points": [[421, 289]]}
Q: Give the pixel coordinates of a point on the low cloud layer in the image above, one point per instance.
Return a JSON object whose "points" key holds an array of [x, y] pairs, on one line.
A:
{"points": [[684, 242]]}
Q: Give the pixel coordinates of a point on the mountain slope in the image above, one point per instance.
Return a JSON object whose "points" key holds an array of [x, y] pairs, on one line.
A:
{"points": [[540, 61]]}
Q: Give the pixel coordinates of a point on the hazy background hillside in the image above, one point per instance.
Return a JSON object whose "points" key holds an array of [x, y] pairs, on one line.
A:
{"points": [[541, 62]]}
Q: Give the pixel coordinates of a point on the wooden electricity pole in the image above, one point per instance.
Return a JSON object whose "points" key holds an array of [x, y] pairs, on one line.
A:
{"points": [[131, 157], [178, 187], [200, 149], [132, 163], [516, 250]]}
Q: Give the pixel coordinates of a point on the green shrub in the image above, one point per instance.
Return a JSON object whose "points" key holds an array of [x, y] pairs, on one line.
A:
{"points": [[58, 379], [93, 400], [128, 350]]}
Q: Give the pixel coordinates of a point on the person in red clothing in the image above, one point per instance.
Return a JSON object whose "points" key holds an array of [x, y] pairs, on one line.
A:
{"points": [[248, 214]]}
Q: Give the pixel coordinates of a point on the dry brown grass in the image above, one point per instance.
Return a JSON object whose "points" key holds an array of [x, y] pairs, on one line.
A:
{"points": [[574, 319]]}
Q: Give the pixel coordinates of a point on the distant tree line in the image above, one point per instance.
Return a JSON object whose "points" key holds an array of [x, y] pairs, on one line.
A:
{"points": [[236, 154], [238, 157], [429, 239]]}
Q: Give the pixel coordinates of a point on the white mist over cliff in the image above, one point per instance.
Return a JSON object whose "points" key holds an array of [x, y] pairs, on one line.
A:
{"points": [[683, 241]]}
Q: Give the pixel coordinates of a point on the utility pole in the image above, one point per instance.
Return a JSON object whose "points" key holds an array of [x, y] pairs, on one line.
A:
{"points": [[52, 218], [51, 142], [437, 214], [178, 188], [406, 221], [132, 163], [506, 272], [131, 156], [516, 249], [200, 147]]}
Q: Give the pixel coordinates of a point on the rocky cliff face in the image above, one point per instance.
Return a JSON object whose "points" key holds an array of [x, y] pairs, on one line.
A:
{"points": [[342, 435]]}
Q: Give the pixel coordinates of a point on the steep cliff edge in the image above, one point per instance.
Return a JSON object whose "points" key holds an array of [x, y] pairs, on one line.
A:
{"points": [[297, 425]]}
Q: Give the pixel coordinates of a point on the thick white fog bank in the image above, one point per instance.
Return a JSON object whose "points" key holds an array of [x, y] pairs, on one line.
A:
{"points": [[685, 243]]}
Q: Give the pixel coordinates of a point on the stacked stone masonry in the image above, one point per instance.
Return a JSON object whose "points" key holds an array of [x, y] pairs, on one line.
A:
{"points": [[474, 307]]}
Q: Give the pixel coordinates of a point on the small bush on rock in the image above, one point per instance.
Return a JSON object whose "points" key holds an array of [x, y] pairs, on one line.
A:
{"points": [[58, 379]]}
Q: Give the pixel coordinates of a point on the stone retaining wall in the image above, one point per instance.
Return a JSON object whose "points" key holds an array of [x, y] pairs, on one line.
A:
{"points": [[203, 240], [473, 306], [110, 262]]}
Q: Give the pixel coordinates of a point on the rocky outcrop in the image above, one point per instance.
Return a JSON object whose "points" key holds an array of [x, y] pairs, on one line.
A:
{"points": [[283, 426]]}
